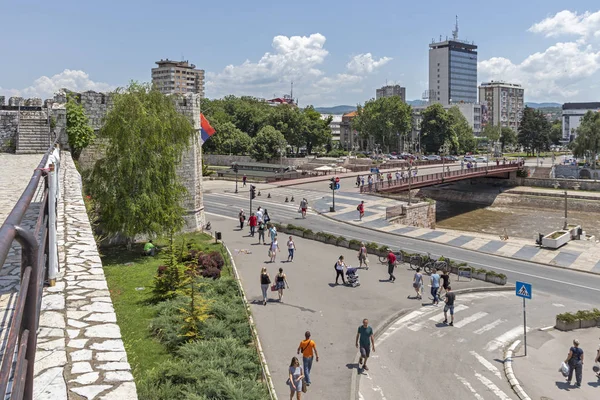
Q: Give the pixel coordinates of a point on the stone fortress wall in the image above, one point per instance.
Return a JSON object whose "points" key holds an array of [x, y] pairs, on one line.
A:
{"points": [[96, 105]]}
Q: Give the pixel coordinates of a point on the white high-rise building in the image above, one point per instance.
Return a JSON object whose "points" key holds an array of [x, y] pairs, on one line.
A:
{"points": [[503, 104]]}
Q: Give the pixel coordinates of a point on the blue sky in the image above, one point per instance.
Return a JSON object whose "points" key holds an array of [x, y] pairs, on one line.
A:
{"points": [[337, 52]]}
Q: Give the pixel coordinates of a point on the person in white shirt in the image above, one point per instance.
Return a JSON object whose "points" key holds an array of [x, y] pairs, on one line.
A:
{"points": [[398, 176], [273, 249], [259, 215], [291, 247]]}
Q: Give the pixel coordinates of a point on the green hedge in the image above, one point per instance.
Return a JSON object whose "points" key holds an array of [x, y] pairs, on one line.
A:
{"points": [[583, 315]]}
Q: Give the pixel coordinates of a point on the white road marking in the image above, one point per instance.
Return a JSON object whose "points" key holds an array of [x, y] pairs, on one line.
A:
{"points": [[378, 390], [469, 319], [491, 367], [558, 305], [490, 385], [440, 318], [505, 338], [404, 321], [489, 326], [219, 215], [468, 386]]}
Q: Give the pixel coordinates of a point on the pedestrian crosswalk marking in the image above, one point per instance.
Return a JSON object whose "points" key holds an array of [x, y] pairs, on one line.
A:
{"points": [[468, 386], [505, 338], [490, 385], [489, 326], [469, 319], [440, 318], [491, 367]]}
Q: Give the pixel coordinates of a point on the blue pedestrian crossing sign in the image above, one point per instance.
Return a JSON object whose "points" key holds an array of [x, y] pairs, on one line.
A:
{"points": [[523, 290]]}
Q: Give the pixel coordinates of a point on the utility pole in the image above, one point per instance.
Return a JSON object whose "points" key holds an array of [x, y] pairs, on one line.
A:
{"points": [[409, 180], [565, 226], [235, 169]]}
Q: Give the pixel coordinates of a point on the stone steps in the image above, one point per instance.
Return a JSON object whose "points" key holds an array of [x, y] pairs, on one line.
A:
{"points": [[33, 133]]}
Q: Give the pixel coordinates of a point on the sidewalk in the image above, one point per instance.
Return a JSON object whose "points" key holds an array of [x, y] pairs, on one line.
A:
{"points": [[538, 372], [313, 302], [580, 255]]}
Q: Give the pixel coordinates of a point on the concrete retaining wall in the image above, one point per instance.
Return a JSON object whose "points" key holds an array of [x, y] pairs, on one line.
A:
{"points": [[421, 214], [227, 160]]}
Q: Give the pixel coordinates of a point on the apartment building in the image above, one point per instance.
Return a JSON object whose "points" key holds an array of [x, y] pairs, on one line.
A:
{"points": [[391, 90], [503, 103], [178, 77], [572, 113]]}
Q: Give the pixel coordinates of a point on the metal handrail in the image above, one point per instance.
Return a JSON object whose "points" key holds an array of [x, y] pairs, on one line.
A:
{"points": [[22, 338]]}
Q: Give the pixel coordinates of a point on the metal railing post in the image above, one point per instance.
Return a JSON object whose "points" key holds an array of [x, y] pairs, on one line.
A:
{"points": [[52, 245]]}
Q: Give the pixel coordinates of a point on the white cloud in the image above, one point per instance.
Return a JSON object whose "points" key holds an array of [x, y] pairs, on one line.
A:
{"points": [[297, 58], [569, 23], [365, 64], [45, 87], [562, 71]]}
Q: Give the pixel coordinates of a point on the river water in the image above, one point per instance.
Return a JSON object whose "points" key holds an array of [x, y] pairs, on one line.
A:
{"points": [[518, 222]]}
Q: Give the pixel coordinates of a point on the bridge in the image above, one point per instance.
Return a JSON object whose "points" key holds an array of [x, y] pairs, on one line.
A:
{"points": [[415, 182]]}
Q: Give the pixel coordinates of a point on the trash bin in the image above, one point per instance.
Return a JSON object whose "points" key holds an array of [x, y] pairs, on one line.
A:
{"points": [[217, 235]]}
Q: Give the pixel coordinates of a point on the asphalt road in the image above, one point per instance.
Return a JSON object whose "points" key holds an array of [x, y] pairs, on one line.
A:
{"points": [[570, 284], [422, 357]]}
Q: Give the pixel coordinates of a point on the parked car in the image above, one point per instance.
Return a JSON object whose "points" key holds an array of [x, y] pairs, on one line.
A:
{"points": [[433, 157], [480, 159], [469, 159]]}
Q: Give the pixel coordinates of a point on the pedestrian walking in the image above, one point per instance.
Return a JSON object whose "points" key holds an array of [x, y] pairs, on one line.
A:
{"points": [[273, 249], [391, 258], [252, 222], [266, 216], [398, 177], [445, 277], [362, 256], [596, 367], [389, 178], [272, 232], [261, 232], [303, 207], [244, 178], [259, 215], [309, 352], [370, 183], [339, 270], [418, 282], [361, 210], [450, 297], [462, 164], [265, 281], [575, 362], [357, 180], [435, 286], [291, 246], [362, 181], [281, 283], [295, 379], [364, 338], [381, 179], [242, 218]]}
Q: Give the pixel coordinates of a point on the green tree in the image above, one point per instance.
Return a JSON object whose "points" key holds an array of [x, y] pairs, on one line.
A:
{"points": [[383, 121], [463, 131], [79, 132], [136, 186], [508, 137], [556, 132], [227, 140], [291, 122], [587, 141], [534, 131], [436, 129], [317, 131], [492, 133], [268, 144]]}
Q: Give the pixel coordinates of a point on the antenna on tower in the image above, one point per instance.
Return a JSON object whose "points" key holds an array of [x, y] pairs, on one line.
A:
{"points": [[455, 31]]}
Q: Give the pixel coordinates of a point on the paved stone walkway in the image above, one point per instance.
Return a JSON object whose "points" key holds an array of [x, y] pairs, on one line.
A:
{"points": [[80, 353]]}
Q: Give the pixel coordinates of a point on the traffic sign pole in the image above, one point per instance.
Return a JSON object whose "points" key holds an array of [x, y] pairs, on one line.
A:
{"points": [[524, 327]]}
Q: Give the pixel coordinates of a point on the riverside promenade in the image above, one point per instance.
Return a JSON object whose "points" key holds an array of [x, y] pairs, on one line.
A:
{"points": [[80, 354]]}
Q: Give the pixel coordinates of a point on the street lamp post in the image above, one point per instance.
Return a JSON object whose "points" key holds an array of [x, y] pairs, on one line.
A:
{"points": [[565, 226], [409, 180]]}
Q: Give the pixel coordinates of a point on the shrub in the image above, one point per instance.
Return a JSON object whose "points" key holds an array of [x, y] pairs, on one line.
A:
{"points": [[217, 258], [166, 282], [291, 227], [308, 232], [566, 317], [211, 272], [354, 242], [340, 239], [383, 247], [372, 246], [480, 271], [205, 261]]}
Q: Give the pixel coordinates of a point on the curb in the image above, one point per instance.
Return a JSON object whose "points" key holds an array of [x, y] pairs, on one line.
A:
{"points": [[263, 360], [324, 214], [354, 385], [510, 375]]}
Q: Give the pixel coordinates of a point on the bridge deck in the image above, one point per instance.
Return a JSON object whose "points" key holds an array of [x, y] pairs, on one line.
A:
{"points": [[416, 182]]}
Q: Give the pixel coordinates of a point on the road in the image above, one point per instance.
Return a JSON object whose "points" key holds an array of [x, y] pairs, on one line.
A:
{"points": [[568, 283], [420, 355]]}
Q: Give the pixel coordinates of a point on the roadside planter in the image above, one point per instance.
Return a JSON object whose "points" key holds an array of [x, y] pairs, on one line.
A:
{"points": [[343, 243], [480, 274], [579, 320], [498, 279], [295, 232], [308, 234], [556, 239], [567, 325]]}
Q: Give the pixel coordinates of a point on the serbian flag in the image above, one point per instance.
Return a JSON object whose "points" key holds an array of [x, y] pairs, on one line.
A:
{"points": [[206, 131]]}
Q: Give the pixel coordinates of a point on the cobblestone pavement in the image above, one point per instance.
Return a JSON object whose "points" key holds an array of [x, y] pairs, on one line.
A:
{"points": [[80, 353]]}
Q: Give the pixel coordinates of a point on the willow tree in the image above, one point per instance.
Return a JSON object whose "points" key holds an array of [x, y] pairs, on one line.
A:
{"points": [[135, 187]]}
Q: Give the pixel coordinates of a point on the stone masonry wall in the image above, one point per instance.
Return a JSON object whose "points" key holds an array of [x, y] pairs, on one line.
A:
{"points": [[9, 121], [421, 214]]}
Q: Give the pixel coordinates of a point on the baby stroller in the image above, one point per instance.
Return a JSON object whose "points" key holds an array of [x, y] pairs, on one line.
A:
{"points": [[352, 277]]}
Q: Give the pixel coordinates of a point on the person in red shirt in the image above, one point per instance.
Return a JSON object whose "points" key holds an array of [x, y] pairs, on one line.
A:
{"points": [[361, 210], [253, 222], [391, 265]]}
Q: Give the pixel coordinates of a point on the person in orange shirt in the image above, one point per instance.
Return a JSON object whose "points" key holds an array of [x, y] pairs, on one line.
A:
{"points": [[309, 350]]}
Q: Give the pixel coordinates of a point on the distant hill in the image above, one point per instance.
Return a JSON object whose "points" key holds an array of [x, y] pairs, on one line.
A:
{"points": [[337, 110], [417, 102], [543, 105]]}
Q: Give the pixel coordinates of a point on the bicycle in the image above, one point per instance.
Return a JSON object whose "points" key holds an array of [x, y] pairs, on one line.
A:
{"points": [[415, 262], [432, 265]]}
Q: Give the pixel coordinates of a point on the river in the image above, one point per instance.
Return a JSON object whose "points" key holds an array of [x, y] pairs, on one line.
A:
{"points": [[519, 222]]}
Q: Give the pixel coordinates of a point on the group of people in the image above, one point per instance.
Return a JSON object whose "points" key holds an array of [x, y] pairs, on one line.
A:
{"points": [[400, 176]]}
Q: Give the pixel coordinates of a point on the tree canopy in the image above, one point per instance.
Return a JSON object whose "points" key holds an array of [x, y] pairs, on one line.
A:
{"points": [[384, 120], [268, 144], [79, 132], [587, 141], [463, 131], [135, 187], [228, 140], [508, 137], [436, 130], [534, 131]]}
